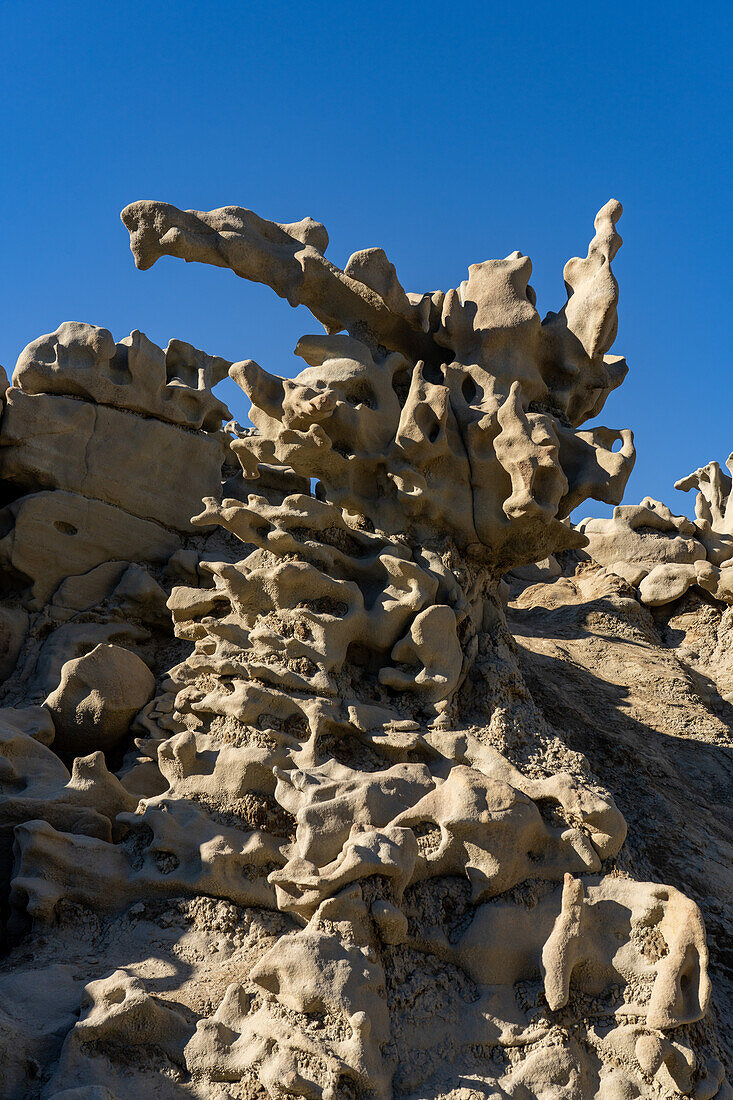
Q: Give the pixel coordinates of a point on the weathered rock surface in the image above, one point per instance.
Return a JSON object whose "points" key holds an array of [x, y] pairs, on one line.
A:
{"points": [[97, 697], [664, 555], [55, 442], [83, 361], [298, 796], [646, 694], [54, 535]]}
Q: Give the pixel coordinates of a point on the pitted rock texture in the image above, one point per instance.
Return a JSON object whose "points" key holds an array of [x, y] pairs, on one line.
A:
{"points": [[302, 792]]}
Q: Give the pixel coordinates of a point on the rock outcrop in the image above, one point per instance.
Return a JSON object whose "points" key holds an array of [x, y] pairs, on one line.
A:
{"points": [[286, 811], [664, 555]]}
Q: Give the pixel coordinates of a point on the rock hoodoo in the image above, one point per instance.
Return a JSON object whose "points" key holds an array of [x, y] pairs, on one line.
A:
{"points": [[289, 803]]}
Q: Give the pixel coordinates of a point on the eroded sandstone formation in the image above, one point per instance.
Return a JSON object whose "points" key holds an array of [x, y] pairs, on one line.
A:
{"points": [[664, 555], [281, 814]]}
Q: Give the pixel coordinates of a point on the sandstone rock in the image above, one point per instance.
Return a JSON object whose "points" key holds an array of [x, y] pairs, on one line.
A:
{"points": [[13, 628], [53, 535], [80, 593], [75, 639], [62, 443], [127, 588], [713, 509], [360, 840], [666, 583], [98, 696], [647, 533], [346, 404], [79, 360], [665, 555]]}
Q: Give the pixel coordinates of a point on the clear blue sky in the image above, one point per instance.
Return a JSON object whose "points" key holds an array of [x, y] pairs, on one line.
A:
{"points": [[447, 134]]}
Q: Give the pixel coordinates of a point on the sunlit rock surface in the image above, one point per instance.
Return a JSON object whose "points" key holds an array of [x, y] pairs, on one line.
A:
{"points": [[336, 762]]}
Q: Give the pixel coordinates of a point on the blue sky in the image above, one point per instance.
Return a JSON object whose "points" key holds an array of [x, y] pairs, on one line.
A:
{"points": [[446, 134]]}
